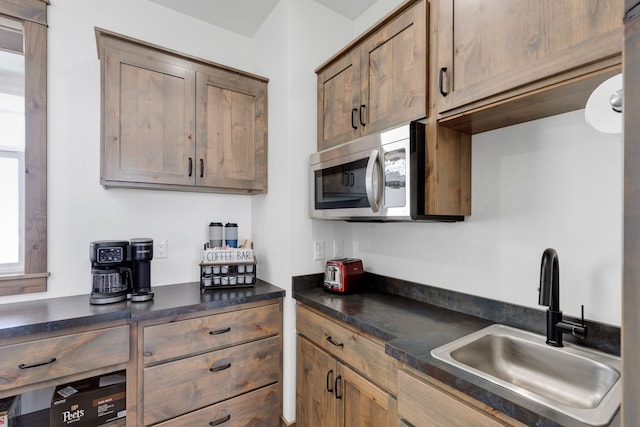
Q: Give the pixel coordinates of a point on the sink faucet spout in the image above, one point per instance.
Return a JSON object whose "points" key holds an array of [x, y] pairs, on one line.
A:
{"points": [[549, 295]]}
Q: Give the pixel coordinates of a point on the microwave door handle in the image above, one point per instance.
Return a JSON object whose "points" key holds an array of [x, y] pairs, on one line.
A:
{"points": [[372, 181]]}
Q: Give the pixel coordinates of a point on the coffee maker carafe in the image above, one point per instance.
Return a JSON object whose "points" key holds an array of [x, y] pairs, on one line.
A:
{"points": [[110, 273], [121, 270]]}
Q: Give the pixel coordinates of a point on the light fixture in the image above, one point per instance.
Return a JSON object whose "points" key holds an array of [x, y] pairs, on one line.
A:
{"points": [[603, 111]]}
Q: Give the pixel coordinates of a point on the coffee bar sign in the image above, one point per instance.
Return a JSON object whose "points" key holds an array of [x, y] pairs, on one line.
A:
{"points": [[228, 255]]}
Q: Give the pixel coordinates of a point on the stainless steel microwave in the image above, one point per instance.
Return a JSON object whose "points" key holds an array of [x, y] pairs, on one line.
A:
{"points": [[379, 177]]}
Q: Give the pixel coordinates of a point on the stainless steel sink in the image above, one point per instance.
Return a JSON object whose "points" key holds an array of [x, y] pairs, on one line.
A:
{"points": [[579, 382]]}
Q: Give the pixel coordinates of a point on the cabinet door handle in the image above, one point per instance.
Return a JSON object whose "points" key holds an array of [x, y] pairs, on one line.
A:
{"points": [[353, 118], [201, 168], [443, 70], [190, 166], [220, 368], [362, 122], [220, 331], [329, 374], [335, 386], [220, 421], [405, 423], [331, 340], [34, 365]]}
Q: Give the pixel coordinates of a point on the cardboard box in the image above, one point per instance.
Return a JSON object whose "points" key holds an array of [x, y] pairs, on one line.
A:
{"points": [[10, 410], [91, 402]]}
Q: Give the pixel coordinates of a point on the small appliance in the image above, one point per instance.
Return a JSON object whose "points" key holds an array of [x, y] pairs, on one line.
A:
{"points": [[121, 270], [343, 275], [379, 177], [110, 273]]}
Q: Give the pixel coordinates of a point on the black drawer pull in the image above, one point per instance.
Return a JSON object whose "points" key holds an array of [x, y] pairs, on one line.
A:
{"points": [[354, 112], [220, 331], [220, 368], [329, 374], [190, 166], [441, 82], [220, 421], [362, 122], [48, 362], [334, 343], [201, 168], [335, 386]]}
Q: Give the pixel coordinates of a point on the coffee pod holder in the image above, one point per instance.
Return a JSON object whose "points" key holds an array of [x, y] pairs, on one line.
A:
{"points": [[227, 268]]}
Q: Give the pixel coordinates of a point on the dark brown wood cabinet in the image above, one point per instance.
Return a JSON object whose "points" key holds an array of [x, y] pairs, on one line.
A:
{"points": [[377, 81], [343, 378], [503, 62], [174, 122]]}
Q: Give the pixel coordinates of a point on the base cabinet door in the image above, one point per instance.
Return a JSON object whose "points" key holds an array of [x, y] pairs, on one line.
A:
{"points": [[329, 393], [427, 403]]}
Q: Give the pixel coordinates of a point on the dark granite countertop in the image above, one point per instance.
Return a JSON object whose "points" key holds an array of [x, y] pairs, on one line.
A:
{"points": [[53, 314], [412, 328]]}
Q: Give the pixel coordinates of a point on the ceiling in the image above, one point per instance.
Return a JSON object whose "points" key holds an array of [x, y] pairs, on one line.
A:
{"points": [[233, 15]]}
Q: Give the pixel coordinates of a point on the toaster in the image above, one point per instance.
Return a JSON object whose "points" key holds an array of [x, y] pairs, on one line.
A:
{"points": [[343, 275]]}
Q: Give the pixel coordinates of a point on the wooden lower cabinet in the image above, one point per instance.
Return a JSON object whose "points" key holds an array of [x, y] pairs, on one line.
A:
{"points": [[425, 402], [344, 378], [329, 393], [221, 367]]}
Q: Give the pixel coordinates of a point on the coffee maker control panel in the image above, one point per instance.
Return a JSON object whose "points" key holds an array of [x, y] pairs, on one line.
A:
{"points": [[111, 255]]}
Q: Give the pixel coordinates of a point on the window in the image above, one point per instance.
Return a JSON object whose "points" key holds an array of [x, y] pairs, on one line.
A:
{"points": [[23, 109]]}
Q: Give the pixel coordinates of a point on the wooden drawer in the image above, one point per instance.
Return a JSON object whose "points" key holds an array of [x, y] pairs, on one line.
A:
{"points": [[178, 387], [257, 408], [423, 403], [50, 358], [363, 354], [202, 334]]}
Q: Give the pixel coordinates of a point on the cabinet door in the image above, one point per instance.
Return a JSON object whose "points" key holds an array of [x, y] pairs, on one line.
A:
{"points": [[394, 72], [231, 132], [362, 404], [488, 47], [148, 119], [317, 372], [339, 101]]}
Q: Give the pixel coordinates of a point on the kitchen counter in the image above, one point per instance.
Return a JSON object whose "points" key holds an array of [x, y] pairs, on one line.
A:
{"points": [[411, 328], [48, 315]]}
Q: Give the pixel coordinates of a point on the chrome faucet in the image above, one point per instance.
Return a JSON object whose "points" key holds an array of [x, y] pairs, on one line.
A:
{"points": [[549, 295]]}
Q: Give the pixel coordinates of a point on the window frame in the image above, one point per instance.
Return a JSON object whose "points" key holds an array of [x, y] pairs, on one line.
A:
{"points": [[33, 14]]}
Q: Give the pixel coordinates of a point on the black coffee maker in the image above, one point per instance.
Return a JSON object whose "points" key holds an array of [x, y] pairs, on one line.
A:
{"points": [[140, 256], [121, 270]]}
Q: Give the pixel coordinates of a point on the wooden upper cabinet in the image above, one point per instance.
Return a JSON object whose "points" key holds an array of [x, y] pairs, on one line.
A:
{"points": [[231, 135], [377, 81], [174, 122], [490, 51], [148, 118]]}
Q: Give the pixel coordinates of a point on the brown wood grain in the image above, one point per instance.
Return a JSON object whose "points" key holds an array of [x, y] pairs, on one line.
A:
{"points": [[186, 337], [258, 408], [248, 366], [363, 354], [425, 404], [364, 404], [73, 353], [29, 10]]}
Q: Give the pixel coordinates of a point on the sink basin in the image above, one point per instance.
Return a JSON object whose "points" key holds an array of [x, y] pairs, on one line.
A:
{"points": [[579, 382]]}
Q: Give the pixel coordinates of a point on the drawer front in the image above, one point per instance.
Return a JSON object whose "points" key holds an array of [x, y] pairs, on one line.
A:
{"points": [[49, 358], [364, 355], [424, 405], [259, 408], [174, 388], [185, 337]]}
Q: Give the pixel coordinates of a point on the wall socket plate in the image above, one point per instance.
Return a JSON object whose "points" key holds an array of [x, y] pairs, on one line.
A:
{"points": [[318, 250], [338, 248], [161, 249]]}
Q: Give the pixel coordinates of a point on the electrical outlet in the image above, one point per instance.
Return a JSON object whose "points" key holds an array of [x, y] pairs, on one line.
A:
{"points": [[161, 250], [318, 250], [338, 248]]}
